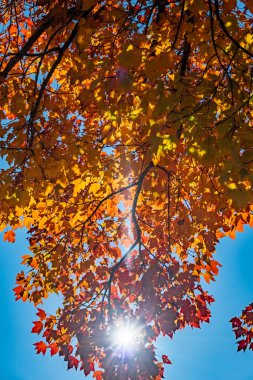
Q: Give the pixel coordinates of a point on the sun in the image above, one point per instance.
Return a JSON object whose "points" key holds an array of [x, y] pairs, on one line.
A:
{"points": [[126, 337]]}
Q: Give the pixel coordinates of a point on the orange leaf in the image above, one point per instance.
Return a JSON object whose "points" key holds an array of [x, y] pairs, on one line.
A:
{"points": [[98, 375], [220, 234], [232, 234], [13, 29], [41, 347], [116, 252], [239, 226], [25, 259], [18, 292], [34, 263], [214, 265], [208, 277], [10, 236], [25, 295]]}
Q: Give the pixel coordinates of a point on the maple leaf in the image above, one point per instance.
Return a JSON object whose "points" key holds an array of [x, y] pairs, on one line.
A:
{"points": [[53, 349], [73, 362], [166, 360], [38, 326], [242, 345], [98, 375], [235, 322], [18, 290], [41, 314], [9, 236], [41, 347]]}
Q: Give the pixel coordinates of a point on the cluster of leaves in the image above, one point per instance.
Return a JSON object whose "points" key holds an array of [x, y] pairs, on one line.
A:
{"points": [[242, 328], [127, 135]]}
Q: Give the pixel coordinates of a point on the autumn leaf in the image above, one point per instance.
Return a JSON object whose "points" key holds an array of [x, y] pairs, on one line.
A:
{"points": [[41, 314], [98, 375], [53, 349], [9, 236], [208, 276], [235, 322], [40, 347], [94, 187], [166, 360], [232, 234], [18, 290], [37, 327], [73, 362], [242, 345]]}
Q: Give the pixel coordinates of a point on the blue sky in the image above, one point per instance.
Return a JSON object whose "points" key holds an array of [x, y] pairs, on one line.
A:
{"points": [[208, 353]]}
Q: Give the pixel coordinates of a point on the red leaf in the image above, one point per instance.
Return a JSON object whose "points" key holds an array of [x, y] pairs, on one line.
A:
{"points": [[235, 322], [249, 308], [54, 348], [41, 314], [166, 360], [242, 345], [38, 326], [73, 362], [116, 251], [46, 334], [239, 332], [41, 347], [87, 371], [92, 367], [18, 292]]}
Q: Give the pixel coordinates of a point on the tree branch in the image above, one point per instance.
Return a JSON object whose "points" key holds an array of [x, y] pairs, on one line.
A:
{"points": [[223, 27]]}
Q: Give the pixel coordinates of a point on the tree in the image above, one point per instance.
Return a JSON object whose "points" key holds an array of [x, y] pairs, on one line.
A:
{"points": [[127, 136]]}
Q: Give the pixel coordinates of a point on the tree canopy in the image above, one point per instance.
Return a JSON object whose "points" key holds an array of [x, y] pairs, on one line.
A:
{"points": [[126, 139]]}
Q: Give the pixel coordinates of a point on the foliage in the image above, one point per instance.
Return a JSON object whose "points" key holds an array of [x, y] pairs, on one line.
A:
{"points": [[127, 135]]}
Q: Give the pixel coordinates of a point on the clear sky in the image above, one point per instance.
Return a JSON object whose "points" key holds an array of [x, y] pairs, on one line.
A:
{"points": [[208, 353]]}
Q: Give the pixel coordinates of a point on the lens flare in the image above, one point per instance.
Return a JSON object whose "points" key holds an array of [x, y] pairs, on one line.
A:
{"points": [[126, 337]]}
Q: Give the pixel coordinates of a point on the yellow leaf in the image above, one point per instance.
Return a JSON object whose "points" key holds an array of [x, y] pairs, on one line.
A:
{"points": [[249, 38], [42, 222], [94, 187], [232, 186], [79, 185]]}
